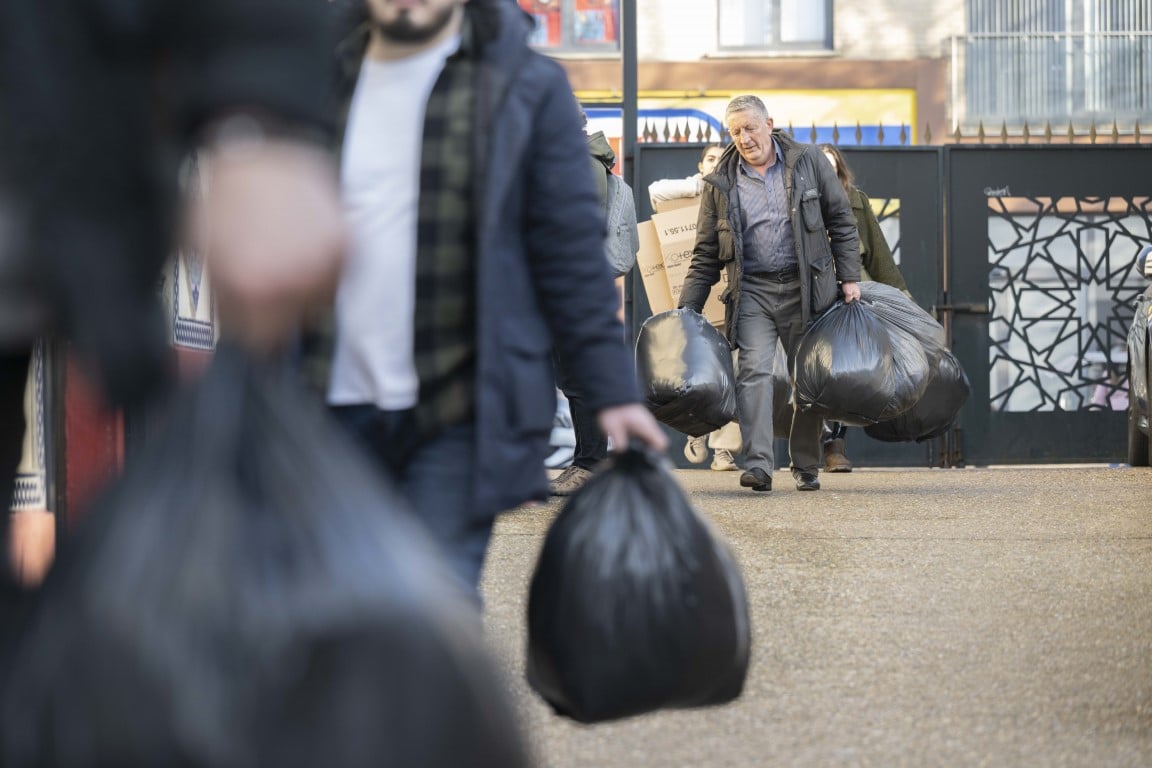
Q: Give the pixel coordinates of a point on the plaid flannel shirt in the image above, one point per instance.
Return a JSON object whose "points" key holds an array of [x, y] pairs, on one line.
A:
{"points": [[445, 345]]}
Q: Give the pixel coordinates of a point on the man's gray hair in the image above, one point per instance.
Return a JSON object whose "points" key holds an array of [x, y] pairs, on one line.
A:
{"points": [[746, 103]]}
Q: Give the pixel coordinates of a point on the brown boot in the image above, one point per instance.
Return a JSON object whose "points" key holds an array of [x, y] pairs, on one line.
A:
{"points": [[834, 458]]}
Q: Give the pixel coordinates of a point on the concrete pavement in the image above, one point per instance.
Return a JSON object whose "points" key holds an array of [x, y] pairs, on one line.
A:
{"points": [[996, 617]]}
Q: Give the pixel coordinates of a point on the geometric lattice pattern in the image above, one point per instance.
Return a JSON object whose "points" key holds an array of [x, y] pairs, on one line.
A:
{"points": [[887, 212], [1063, 284]]}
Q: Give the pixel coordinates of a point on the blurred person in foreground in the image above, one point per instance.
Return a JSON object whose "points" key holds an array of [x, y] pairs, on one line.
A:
{"points": [[775, 216], [876, 263], [477, 246], [726, 440], [98, 101]]}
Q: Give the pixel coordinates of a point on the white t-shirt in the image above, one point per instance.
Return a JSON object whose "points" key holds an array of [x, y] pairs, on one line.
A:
{"points": [[380, 179]]}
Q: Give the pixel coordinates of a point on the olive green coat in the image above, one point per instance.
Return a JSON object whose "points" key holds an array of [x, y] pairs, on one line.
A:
{"points": [[875, 255]]}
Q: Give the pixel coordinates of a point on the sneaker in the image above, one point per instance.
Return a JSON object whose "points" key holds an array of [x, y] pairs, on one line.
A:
{"points": [[569, 481], [834, 458], [722, 461], [696, 449]]}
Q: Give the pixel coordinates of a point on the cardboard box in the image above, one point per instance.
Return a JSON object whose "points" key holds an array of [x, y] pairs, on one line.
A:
{"points": [[664, 206], [675, 236], [651, 266]]}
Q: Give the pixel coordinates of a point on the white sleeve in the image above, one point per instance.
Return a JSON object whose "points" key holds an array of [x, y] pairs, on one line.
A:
{"points": [[671, 189]]}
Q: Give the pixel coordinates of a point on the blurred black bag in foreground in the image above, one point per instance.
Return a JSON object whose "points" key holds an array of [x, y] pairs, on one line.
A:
{"points": [[249, 595], [934, 412], [636, 603], [685, 370]]}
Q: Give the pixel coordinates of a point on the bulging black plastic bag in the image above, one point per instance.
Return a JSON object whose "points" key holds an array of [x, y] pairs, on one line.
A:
{"points": [[252, 594], [636, 604], [895, 309], [935, 411], [911, 371], [685, 371], [843, 366]]}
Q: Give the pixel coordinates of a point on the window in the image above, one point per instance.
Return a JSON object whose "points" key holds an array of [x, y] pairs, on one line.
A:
{"points": [[575, 25], [776, 24], [1053, 61]]}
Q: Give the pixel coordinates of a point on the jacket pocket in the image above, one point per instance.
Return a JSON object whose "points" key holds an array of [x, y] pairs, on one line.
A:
{"points": [[810, 210], [529, 378], [727, 245]]}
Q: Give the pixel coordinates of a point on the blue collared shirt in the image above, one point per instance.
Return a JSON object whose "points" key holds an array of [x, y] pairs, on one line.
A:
{"points": [[767, 228]]}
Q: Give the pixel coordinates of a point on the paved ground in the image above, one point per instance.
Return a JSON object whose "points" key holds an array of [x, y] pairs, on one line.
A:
{"points": [[996, 617]]}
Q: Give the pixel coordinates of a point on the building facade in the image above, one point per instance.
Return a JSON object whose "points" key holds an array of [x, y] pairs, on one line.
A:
{"points": [[884, 72]]}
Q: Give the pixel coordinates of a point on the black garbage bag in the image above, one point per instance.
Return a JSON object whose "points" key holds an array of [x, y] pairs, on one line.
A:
{"points": [[252, 594], [843, 368], [947, 391], [636, 604], [911, 371], [685, 371], [897, 310]]}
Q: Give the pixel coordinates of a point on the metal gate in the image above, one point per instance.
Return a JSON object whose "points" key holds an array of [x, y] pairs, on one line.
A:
{"points": [[1040, 290], [1026, 255]]}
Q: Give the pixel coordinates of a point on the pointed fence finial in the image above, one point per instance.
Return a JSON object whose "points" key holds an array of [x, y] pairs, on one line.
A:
{"points": [[1092, 132], [1115, 132], [1027, 133], [1136, 132], [956, 137], [1003, 131], [927, 133], [812, 134], [980, 132], [677, 136], [880, 133], [1071, 133], [903, 135], [791, 133], [1048, 132], [687, 131], [859, 133]]}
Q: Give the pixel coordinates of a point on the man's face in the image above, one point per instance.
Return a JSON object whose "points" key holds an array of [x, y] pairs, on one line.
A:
{"points": [[752, 136], [711, 157], [412, 21]]}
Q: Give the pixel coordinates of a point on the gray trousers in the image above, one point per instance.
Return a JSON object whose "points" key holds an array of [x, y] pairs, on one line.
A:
{"points": [[769, 313]]}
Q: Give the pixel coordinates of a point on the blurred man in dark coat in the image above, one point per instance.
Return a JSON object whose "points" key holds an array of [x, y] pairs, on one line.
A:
{"points": [[98, 101]]}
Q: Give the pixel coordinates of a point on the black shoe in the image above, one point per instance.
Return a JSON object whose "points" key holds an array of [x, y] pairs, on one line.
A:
{"points": [[806, 481], [756, 479]]}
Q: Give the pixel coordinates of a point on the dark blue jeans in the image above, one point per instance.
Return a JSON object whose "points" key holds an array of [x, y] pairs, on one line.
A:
{"points": [[591, 444], [436, 476]]}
